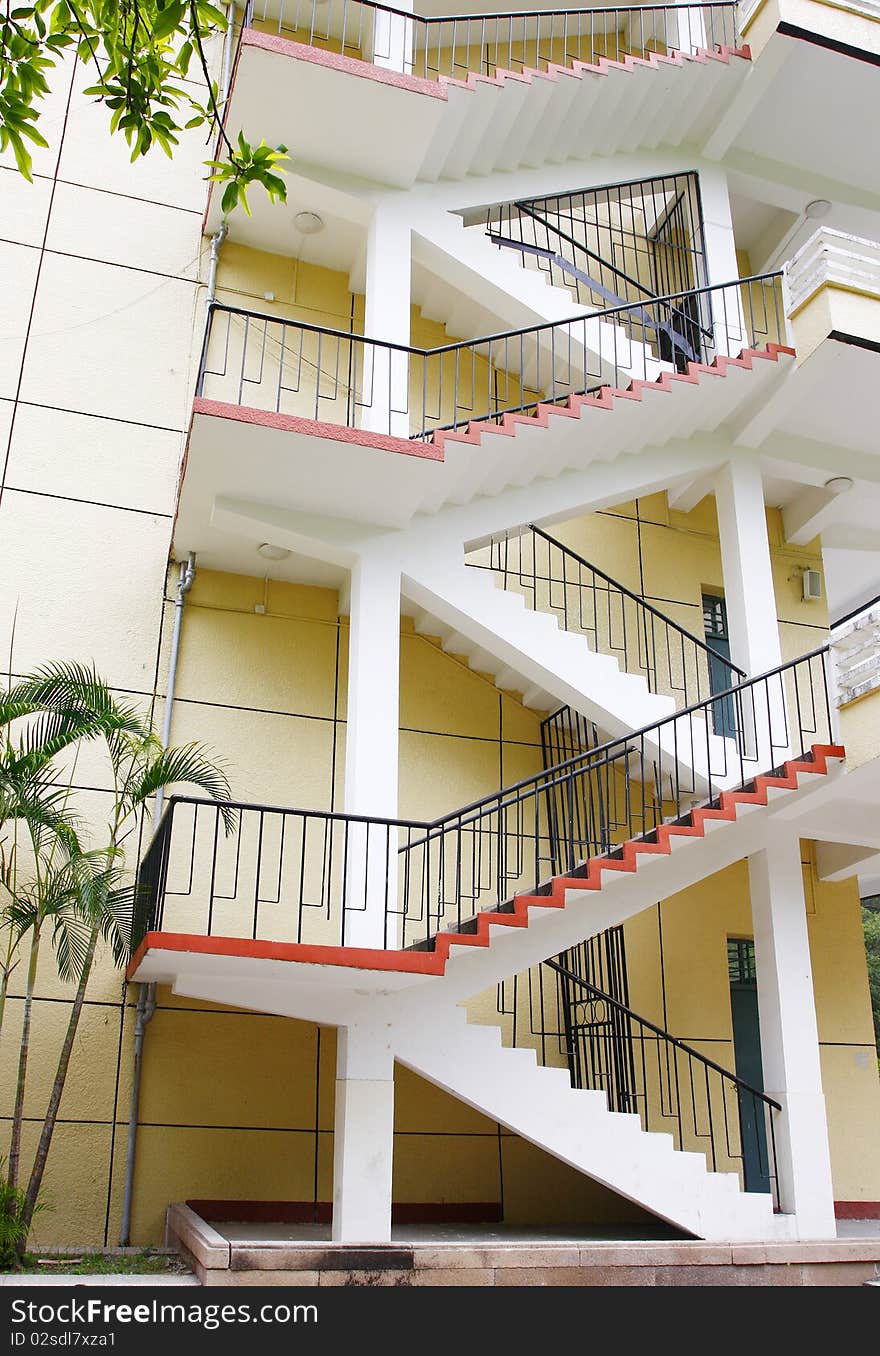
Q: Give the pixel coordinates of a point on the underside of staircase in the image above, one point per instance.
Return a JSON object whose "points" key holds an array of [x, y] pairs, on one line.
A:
{"points": [[450, 128], [575, 1126]]}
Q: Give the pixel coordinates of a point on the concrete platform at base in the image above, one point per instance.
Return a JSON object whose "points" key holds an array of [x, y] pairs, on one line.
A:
{"points": [[425, 1255]]}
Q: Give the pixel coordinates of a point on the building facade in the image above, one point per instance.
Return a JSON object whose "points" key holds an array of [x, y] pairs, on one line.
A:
{"points": [[501, 509]]}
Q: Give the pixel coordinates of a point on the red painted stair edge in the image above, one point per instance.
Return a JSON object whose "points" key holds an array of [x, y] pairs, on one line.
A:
{"points": [[434, 962], [607, 396]]}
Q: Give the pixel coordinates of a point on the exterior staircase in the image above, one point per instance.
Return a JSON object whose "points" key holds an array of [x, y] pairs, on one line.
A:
{"points": [[449, 128], [528, 651], [410, 998], [575, 1125], [463, 280]]}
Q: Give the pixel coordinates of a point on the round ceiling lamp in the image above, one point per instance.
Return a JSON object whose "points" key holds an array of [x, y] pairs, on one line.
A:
{"points": [[270, 552], [818, 208], [308, 223], [839, 484]]}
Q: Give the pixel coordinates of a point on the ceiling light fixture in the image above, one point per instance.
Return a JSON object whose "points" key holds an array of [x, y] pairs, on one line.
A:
{"points": [[308, 223], [270, 552], [839, 484], [819, 207]]}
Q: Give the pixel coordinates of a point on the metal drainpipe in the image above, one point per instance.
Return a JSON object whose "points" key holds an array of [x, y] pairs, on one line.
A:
{"points": [[146, 1004]]}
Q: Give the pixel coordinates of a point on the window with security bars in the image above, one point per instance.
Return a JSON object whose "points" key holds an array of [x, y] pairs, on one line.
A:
{"points": [[714, 616], [741, 960]]}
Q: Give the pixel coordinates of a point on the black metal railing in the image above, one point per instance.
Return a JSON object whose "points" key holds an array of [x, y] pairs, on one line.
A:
{"points": [[671, 1086], [621, 243], [287, 366], [327, 878], [459, 45], [615, 621]]}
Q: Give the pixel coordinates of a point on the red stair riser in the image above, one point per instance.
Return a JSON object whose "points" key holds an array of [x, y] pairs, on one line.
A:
{"points": [[633, 847], [574, 403], [603, 66]]}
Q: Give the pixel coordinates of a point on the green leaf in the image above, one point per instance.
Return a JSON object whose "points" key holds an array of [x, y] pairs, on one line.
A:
{"points": [[168, 20]]}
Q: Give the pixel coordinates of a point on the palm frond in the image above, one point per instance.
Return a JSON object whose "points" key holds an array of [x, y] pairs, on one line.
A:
{"points": [[71, 935], [191, 764]]}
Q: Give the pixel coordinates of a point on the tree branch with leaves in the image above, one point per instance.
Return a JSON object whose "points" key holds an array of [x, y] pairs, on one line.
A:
{"points": [[152, 74]]}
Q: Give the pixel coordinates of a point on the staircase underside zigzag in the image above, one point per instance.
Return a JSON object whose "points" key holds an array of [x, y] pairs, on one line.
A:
{"points": [[572, 406]]}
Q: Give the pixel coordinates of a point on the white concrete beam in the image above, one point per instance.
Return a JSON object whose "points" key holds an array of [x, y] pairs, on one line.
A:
{"points": [[842, 861], [685, 497], [805, 517], [736, 112], [387, 299]]}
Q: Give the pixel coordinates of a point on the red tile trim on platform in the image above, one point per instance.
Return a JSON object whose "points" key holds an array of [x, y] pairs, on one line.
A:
{"points": [[434, 962]]}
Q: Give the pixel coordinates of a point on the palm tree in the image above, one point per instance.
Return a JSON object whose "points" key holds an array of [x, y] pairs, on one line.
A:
{"points": [[84, 893]]}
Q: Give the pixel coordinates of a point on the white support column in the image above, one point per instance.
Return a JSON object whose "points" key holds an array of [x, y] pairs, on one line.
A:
{"points": [[751, 611], [393, 37], [385, 394], [728, 319], [363, 1136], [371, 750], [789, 1037], [745, 562]]}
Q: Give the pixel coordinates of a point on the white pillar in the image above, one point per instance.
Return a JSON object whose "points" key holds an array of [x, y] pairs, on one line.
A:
{"points": [[393, 37], [789, 1037], [385, 394], [363, 1136], [371, 751], [746, 566], [764, 736], [729, 328]]}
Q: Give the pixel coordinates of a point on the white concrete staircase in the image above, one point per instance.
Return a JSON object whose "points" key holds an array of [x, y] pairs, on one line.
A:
{"points": [[448, 129], [538, 1103], [574, 112], [474, 288], [527, 651]]}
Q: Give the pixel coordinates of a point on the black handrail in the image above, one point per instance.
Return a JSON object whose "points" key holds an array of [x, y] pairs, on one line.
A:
{"points": [[499, 335], [414, 878], [406, 391], [623, 745], [489, 16], [664, 1035], [681, 1102], [637, 598], [677, 667]]}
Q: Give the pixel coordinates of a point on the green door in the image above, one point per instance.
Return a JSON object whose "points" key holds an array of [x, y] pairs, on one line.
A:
{"points": [[720, 676], [747, 1056]]}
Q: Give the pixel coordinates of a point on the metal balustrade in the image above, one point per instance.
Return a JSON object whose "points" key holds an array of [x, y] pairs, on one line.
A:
{"points": [[620, 243], [279, 365], [328, 878], [460, 45], [574, 1010], [672, 1087], [615, 621]]}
